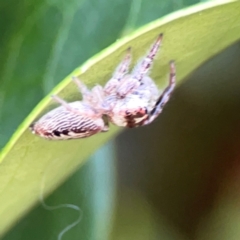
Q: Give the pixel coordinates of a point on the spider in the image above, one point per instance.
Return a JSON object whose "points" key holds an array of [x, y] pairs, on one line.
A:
{"points": [[127, 100]]}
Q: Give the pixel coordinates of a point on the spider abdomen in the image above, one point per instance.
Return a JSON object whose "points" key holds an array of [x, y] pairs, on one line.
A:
{"points": [[60, 123]]}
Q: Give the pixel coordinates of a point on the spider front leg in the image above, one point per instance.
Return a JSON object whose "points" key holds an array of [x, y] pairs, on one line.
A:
{"points": [[163, 99], [93, 97], [144, 66], [132, 82], [86, 94], [122, 68], [119, 73]]}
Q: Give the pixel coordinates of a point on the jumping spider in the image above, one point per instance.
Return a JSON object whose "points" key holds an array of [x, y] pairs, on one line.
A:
{"points": [[127, 100]]}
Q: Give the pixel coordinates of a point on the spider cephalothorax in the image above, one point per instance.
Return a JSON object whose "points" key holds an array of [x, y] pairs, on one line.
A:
{"points": [[127, 100]]}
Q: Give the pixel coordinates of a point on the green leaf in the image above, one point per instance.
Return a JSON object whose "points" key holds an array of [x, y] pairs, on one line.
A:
{"points": [[91, 189], [191, 37]]}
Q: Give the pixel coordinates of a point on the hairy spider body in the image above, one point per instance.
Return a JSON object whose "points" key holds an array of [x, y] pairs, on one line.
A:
{"points": [[132, 110], [133, 97], [127, 100]]}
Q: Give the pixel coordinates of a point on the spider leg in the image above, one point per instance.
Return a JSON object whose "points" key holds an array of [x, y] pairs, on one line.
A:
{"points": [[98, 100], [62, 102], [82, 88], [163, 99], [97, 91], [128, 85], [122, 68], [93, 97], [120, 72], [145, 64]]}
